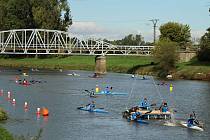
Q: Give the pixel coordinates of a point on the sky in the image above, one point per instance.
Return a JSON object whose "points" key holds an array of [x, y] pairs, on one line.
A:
{"points": [[114, 19]]}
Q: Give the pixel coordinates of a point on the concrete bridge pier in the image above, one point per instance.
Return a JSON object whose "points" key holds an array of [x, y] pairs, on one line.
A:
{"points": [[100, 64]]}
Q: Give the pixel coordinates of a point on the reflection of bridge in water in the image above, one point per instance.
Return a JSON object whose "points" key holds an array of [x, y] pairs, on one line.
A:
{"points": [[41, 41]]}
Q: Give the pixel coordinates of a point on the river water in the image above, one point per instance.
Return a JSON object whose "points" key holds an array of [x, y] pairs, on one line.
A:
{"points": [[62, 94]]}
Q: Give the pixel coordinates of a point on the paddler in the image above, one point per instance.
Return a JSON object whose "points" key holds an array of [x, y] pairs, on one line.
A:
{"points": [[91, 106], [108, 90], [135, 116], [164, 107], [92, 93], [192, 121], [144, 104]]}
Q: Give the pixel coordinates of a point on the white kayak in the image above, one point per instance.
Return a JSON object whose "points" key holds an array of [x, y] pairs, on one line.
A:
{"points": [[110, 93], [195, 127], [73, 74]]}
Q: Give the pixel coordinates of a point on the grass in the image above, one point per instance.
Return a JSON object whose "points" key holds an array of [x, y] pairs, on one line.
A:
{"points": [[194, 69], [114, 63]]}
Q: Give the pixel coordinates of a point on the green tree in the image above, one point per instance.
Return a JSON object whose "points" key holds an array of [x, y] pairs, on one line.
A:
{"points": [[176, 32], [130, 40], [3, 11], [18, 15], [165, 53], [51, 14], [204, 52], [46, 14]]}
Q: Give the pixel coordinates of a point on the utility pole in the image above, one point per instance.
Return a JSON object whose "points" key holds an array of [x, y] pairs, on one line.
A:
{"points": [[154, 21]]}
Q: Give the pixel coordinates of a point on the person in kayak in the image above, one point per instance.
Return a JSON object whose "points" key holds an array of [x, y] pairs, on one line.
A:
{"points": [[92, 93], [91, 106], [144, 104], [135, 116], [164, 107], [107, 90], [192, 121]]}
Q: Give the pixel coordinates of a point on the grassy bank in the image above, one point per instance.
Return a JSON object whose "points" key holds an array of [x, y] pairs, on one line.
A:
{"points": [[114, 63], [124, 64], [193, 70]]}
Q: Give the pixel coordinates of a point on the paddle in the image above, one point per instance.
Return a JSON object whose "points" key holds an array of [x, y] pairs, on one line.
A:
{"points": [[196, 120], [153, 104], [148, 112], [79, 107], [87, 91]]}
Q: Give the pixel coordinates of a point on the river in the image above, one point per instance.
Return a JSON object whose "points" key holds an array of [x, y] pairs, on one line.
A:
{"points": [[62, 94]]}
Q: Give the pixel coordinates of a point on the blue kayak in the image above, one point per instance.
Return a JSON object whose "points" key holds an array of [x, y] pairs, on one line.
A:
{"points": [[94, 110], [110, 93], [138, 121]]}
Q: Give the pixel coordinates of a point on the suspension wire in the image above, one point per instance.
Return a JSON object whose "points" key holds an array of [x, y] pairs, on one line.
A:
{"points": [[131, 91]]}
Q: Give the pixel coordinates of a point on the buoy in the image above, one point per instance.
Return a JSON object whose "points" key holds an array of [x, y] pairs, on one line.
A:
{"points": [[97, 89], [13, 102], [171, 88], [26, 106], [38, 111], [8, 95], [45, 111]]}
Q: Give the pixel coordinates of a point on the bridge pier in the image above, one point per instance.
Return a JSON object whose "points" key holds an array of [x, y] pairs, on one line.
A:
{"points": [[100, 65]]}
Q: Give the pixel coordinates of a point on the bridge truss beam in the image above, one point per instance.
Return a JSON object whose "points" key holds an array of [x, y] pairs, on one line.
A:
{"points": [[42, 41]]}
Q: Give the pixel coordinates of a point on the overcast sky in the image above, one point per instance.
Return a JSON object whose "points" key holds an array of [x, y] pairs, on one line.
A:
{"points": [[113, 19]]}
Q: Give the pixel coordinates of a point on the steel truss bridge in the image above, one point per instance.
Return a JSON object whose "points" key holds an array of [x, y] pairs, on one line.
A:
{"points": [[42, 41]]}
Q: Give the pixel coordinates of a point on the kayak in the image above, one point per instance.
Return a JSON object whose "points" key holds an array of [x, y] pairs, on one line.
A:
{"points": [[73, 74], [138, 121], [142, 121], [24, 84], [110, 93], [97, 110], [194, 127]]}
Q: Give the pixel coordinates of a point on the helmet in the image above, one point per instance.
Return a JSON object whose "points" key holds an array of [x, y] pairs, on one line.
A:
{"points": [[191, 116]]}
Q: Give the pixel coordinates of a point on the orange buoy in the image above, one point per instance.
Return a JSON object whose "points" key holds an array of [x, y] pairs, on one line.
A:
{"points": [[45, 111]]}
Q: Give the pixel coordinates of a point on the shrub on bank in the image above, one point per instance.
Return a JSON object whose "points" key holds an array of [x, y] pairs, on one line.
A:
{"points": [[3, 115], [5, 135]]}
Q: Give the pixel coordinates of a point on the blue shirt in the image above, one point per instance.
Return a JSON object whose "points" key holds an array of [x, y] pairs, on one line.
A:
{"points": [[144, 104], [190, 121]]}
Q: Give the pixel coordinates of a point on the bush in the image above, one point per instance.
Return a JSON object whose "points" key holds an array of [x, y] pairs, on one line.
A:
{"points": [[5, 135], [3, 115]]}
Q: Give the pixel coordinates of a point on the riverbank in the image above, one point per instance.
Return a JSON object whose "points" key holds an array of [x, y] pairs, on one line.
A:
{"points": [[192, 70], [122, 64]]}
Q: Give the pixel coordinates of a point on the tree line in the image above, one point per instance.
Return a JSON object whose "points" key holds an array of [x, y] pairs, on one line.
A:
{"points": [[25, 14]]}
